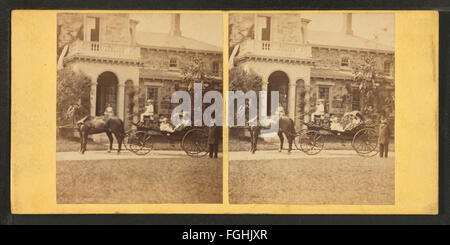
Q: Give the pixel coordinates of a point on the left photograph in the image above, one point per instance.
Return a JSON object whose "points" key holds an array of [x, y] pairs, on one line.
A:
{"points": [[127, 131]]}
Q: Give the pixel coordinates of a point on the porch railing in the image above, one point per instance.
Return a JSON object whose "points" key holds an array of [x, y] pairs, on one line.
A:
{"points": [[278, 49], [104, 50]]}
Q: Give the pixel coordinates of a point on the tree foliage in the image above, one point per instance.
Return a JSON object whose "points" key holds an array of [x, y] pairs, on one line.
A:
{"points": [[73, 91], [243, 80], [196, 72], [376, 93]]}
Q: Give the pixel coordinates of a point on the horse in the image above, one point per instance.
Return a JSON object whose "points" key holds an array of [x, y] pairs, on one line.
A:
{"points": [[286, 127], [96, 125]]}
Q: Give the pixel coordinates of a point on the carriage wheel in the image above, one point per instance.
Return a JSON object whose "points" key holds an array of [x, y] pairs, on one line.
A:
{"points": [[365, 142], [131, 142], [195, 143], [297, 139], [146, 142], [138, 142], [311, 142]]}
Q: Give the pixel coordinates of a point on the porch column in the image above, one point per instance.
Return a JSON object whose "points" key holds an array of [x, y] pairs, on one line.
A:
{"points": [[265, 84], [136, 104], [307, 98], [291, 99], [121, 100], [93, 97]]}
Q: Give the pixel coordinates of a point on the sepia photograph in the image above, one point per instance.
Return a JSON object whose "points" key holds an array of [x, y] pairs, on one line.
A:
{"points": [[224, 112], [326, 80], [117, 77]]}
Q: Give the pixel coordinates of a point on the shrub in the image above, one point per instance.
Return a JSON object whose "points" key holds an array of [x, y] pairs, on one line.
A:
{"points": [[73, 89]]}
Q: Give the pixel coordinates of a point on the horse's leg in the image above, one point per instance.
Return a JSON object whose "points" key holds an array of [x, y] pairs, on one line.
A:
{"points": [[110, 137], [256, 136], [280, 135], [119, 139], [251, 139], [290, 140], [83, 147], [81, 141]]}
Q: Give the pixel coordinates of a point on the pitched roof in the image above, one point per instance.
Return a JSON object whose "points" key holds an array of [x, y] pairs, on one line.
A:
{"points": [[165, 40], [339, 39]]}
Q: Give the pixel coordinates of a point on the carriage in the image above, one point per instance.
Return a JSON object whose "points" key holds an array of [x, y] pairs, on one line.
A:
{"points": [[363, 136], [140, 141]]}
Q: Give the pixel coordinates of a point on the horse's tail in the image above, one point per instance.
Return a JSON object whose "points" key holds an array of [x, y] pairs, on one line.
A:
{"points": [[292, 126], [122, 128]]}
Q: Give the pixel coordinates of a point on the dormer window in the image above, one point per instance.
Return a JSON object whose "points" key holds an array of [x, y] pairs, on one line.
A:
{"points": [[173, 63], [215, 67], [345, 62], [387, 67]]}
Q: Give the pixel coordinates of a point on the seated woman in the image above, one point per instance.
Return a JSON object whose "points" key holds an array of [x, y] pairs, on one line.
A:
{"points": [[355, 122], [185, 121], [165, 126], [335, 125]]}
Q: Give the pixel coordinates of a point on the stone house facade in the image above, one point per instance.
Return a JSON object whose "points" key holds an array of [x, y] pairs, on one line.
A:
{"points": [[302, 64], [128, 67]]}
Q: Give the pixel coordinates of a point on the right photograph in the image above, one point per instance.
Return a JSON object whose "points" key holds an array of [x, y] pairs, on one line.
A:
{"points": [[312, 108]]}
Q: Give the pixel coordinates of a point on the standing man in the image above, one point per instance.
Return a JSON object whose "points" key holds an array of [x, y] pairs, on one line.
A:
{"points": [[214, 133], [383, 136]]}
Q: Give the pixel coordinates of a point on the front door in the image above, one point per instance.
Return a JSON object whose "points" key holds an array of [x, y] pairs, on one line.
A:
{"points": [[106, 93], [278, 81]]}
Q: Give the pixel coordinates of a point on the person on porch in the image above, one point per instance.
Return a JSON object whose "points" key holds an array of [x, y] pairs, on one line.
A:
{"points": [[109, 111]]}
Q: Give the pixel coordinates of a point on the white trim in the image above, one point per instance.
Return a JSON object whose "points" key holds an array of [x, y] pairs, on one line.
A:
{"points": [[153, 83], [323, 83]]}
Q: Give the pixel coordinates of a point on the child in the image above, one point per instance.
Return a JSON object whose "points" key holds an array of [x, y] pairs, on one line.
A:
{"points": [[149, 110], [109, 112], [320, 110], [383, 136]]}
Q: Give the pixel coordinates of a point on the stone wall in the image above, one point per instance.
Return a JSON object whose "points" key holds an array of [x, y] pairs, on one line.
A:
{"points": [[340, 95], [115, 28], [165, 91], [286, 28], [331, 58], [159, 60]]}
